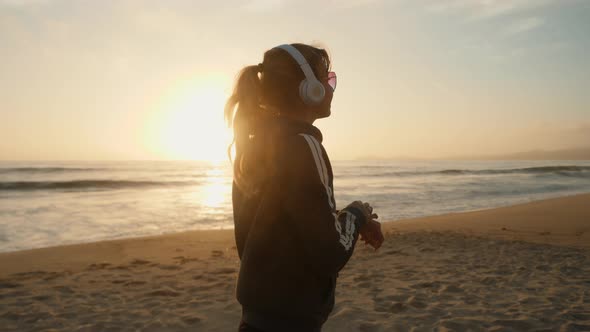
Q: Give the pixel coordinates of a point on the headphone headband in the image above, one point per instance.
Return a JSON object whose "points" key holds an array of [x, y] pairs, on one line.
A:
{"points": [[305, 67]]}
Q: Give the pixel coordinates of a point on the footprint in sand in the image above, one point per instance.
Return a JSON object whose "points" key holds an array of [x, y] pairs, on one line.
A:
{"points": [[14, 294], [163, 292], [544, 268], [183, 260], [169, 267], [139, 262], [41, 297], [516, 324], [451, 289], [9, 284], [570, 270], [390, 307], [417, 303], [360, 277], [433, 285], [491, 281], [396, 252], [52, 275], [225, 270], [120, 268], [365, 284], [398, 307], [426, 249], [30, 275], [64, 289], [191, 320], [216, 253], [98, 266], [575, 327], [369, 327]]}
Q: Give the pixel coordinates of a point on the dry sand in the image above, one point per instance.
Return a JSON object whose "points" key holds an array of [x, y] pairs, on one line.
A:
{"points": [[520, 268]]}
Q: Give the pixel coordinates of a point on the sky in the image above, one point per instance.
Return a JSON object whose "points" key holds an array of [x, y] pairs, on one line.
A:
{"points": [[147, 80]]}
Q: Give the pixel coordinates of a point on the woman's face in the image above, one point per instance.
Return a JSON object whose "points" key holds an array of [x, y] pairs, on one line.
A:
{"points": [[323, 110]]}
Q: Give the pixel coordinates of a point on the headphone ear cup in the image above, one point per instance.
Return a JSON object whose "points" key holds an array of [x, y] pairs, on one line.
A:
{"points": [[312, 92]]}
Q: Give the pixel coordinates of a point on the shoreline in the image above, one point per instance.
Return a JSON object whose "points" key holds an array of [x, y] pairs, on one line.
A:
{"points": [[574, 232], [228, 225], [534, 222]]}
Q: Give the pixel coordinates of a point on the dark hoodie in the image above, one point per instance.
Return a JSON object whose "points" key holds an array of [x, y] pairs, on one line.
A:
{"points": [[291, 240]]}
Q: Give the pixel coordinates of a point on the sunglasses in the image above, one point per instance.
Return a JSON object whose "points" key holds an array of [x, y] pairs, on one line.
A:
{"points": [[332, 80]]}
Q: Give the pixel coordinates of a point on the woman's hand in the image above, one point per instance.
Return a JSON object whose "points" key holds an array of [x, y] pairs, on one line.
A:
{"points": [[371, 231]]}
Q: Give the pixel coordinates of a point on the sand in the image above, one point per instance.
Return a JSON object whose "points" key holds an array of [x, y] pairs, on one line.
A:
{"points": [[520, 268]]}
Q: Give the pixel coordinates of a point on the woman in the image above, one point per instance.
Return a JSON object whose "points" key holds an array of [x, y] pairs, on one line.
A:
{"points": [[291, 240]]}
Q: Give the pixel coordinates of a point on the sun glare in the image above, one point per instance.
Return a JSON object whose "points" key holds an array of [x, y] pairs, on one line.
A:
{"points": [[190, 125]]}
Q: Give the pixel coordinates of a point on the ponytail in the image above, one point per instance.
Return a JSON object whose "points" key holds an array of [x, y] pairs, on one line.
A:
{"points": [[243, 105], [242, 112]]}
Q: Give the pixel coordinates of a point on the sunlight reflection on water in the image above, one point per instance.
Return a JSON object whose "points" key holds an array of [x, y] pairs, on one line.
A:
{"points": [[125, 199]]}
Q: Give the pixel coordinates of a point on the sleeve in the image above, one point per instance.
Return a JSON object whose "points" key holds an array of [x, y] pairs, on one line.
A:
{"points": [[327, 236], [241, 226]]}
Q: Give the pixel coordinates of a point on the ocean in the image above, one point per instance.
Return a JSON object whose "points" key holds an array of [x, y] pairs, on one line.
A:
{"points": [[52, 203]]}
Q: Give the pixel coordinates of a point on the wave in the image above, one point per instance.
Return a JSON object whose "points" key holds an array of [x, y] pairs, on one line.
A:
{"points": [[581, 171], [49, 169], [557, 169], [56, 170], [88, 184]]}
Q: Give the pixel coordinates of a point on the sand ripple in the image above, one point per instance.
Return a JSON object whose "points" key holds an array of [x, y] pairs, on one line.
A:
{"points": [[422, 281]]}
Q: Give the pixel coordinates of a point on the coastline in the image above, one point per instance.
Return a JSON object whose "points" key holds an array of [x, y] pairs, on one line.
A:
{"points": [[533, 221], [561, 221], [506, 267]]}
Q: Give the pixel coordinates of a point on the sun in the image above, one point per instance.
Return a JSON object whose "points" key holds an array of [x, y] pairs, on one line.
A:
{"points": [[189, 124]]}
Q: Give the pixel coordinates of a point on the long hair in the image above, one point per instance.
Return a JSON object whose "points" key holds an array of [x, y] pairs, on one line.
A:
{"points": [[258, 97]]}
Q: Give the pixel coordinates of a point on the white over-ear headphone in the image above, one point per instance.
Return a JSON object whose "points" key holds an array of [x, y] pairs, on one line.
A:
{"points": [[311, 90]]}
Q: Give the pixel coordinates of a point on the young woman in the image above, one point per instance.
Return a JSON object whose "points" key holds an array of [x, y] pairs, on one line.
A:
{"points": [[291, 239]]}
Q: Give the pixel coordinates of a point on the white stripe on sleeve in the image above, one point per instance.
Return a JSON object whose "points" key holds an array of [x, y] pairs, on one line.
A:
{"points": [[346, 237], [319, 162]]}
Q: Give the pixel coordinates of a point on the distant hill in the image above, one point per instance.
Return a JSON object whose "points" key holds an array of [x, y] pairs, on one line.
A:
{"points": [[565, 154]]}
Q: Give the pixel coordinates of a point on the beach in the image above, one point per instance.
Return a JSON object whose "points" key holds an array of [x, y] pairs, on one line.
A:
{"points": [[520, 268]]}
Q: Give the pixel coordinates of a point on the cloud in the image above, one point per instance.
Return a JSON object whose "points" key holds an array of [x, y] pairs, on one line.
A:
{"points": [[524, 25], [353, 3], [272, 5], [487, 9], [502, 19], [264, 5], [22, 3], [446, 6]]}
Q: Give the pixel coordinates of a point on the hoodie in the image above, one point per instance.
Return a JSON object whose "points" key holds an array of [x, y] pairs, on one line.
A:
{"points": [[291, 239]]}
